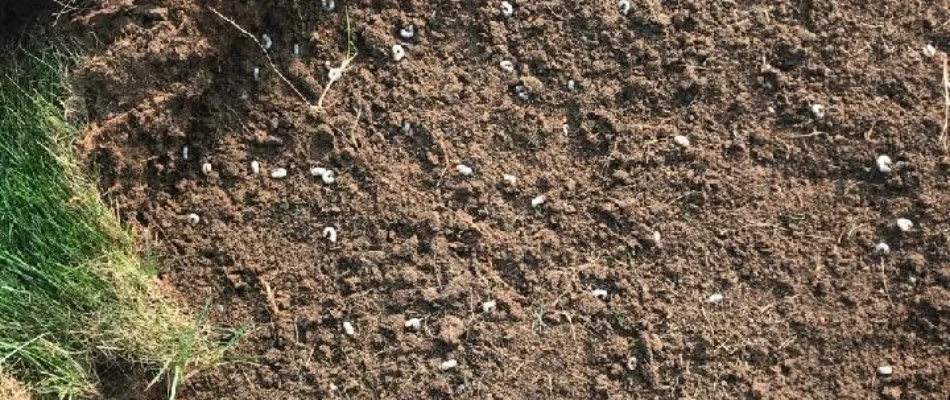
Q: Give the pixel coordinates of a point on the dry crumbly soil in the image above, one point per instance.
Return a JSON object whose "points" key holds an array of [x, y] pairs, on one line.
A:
{"points": [[771, 206]]}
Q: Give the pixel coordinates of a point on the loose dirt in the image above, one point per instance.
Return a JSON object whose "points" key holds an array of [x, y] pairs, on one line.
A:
{"points": [[771, 206]]}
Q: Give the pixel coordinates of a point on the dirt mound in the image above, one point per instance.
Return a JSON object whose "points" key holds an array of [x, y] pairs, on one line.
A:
{"points": [[776, 202]]}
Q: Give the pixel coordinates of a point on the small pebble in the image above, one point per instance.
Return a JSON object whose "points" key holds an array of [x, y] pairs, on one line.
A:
{"points": [[255, 167], [623, 6], [488, 306], [194, 219], [885, 370], [881, 249], [414, 323], [681, 141], [184, 153], [330, 234], [406, 127], [884, 163], [904, 224], [571, 85], [407, 33], [506, 9], [509, 179], [716, 298], [600, 294], [538, 201], [206, 168], [817, 110], [464, 170], [348, 328], [930, 50], [507, 66], [278, 173], [448, 365]]}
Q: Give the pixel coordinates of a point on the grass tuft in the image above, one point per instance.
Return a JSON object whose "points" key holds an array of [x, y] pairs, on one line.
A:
{"points": [[73, 290]]}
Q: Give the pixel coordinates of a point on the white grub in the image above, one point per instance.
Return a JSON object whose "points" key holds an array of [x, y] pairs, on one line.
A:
{"points": [[904, 224], [507, 66], [317, 172], [884, 163], [449, 365], [406, 127], [631, 363], [296, 50], [329, 5], [566, 128], [334, 74], [407, 33], [885, 370], [770, 109], [657, 238], [509, 179], [881, 249], [538, 201], [600, 294], [414, 323], [507, 10], [266, 41], [257, 74], [194, 219], [623, 6], [571, 85], [681, 141], [278, 173], [348, 328], [716, 298], [326, 175], [398, 53], [464, 170], [522, 92], [817, 110], [489, 306], [184, 153], [206, 168], [255, 167], [330, 234], [329, 177], [930, 50]]}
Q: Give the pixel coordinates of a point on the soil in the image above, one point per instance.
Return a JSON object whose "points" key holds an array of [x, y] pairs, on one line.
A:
{"points": [[771, 205]]}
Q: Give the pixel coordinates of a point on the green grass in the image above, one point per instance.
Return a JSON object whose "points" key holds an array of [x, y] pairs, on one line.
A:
{"points": [[73, 290]]}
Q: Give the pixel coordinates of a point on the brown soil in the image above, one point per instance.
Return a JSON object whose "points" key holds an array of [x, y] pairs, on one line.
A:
{"points": [[771, 206]]}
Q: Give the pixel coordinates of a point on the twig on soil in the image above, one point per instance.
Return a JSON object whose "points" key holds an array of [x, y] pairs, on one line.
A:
{"points": [[65, 7], [344, 65], [264, 50], [946, 104], [271, 300]]}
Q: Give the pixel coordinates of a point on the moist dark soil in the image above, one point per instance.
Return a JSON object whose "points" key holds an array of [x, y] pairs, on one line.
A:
{"points": [[772, 205]]}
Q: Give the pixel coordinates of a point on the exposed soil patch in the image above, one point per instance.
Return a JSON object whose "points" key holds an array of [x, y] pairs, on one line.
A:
{"points": [[772, 206]]}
